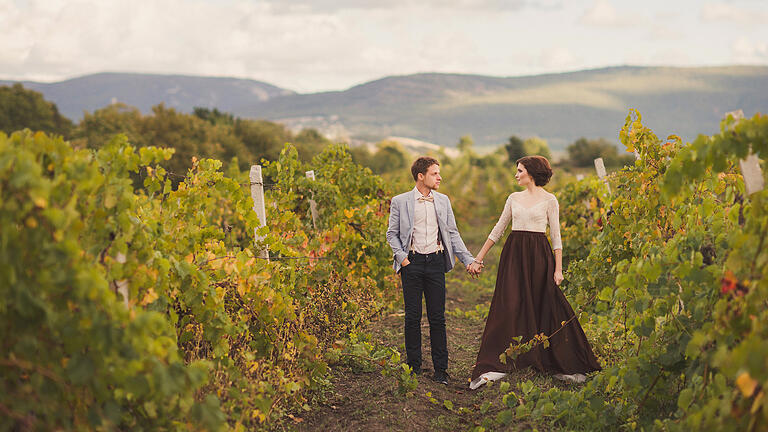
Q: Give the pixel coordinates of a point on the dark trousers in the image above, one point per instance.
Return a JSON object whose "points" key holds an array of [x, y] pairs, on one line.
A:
{"points": [[425, 275]]}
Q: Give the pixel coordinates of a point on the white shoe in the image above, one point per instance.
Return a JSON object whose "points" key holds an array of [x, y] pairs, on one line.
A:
{"points": [[576, 378], [484, 378]]}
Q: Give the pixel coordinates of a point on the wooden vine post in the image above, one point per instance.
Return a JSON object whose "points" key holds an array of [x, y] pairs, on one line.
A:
{"points": [[312, 204], [600, 168], [750, 166], [257, 194], [121, 286]]}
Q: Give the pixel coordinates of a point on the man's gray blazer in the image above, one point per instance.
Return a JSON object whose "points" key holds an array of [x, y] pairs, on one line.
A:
{"points": [[400, 229]]}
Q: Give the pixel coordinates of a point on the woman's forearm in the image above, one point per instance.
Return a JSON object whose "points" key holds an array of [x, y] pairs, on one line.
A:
{"points": [[484, 250], [559, 260]]}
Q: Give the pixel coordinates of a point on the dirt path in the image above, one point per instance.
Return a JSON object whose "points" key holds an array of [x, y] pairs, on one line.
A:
{"points": [[368, 401]]}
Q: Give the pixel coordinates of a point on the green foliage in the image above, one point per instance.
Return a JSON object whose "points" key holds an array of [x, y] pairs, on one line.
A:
{"points": [[72, 355], [582, 216], [465, 144], [673, 291], [205, 134], [309, 143], [536, 146], [262, 138], [210, 332], [21, 108], [389, 157], [515, 148], [214, 116], [478, 188], [98, 128], [583, 152]]}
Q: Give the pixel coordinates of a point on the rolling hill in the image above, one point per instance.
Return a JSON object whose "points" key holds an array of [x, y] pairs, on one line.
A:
{"points": [[440, 108], [143, 91]]}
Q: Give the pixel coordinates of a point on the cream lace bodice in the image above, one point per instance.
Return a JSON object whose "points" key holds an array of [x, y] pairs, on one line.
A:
{"points": [[533, 218]]}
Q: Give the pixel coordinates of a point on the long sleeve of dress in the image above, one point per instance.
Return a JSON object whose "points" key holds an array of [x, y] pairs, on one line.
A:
{"points": [[553, 217], [501, 225]]}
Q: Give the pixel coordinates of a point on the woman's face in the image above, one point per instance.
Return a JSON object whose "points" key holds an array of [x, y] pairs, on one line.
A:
{"points": [[523, 179]]}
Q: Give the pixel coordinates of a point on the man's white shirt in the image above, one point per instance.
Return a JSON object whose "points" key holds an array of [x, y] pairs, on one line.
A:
{"points": [[425, 229]]}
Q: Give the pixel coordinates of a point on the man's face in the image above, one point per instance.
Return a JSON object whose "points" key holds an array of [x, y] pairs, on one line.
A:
{"points": [[432, 178]]}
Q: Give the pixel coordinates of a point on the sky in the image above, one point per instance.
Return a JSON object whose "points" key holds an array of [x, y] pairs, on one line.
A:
{"points": [[321, 45]]}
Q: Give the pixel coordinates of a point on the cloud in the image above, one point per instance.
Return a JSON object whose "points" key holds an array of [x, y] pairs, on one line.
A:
{"points": [[556, 59], [732, 14], [305, 50], [330, 6], [664, 32], [51, 40], [317, 45], [604, 14], [745, 51]]}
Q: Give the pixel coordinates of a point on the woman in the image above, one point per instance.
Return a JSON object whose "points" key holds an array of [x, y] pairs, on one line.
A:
{"points": [[527, 300]]}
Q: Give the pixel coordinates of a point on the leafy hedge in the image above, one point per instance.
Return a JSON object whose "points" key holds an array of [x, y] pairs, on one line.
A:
{"points": [[212, 335], [674, 290]]}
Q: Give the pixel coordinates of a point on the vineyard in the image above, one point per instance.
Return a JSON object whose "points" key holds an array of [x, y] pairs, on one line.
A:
{"points": [[666, 267]]}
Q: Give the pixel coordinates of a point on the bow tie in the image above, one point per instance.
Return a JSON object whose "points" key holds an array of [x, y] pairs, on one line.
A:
{"points": [[430, 198]]}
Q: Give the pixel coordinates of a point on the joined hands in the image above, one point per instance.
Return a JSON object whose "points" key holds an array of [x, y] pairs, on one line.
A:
{"points": [[475, 268]]}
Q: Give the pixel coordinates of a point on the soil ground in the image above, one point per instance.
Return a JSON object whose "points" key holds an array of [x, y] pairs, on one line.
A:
{"points": [[368, 401]]}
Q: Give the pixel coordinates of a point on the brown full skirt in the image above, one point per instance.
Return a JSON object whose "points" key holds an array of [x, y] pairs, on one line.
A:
{"points": [[527, 302]]}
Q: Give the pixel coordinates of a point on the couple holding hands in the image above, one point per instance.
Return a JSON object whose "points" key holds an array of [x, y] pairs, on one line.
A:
{"points": [[527, 301]]}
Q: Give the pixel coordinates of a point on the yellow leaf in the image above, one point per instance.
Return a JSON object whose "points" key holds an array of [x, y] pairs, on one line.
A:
{"points": [[746, 384], [31, 222], [349, 213], [242, 288], [41, 202], [149, 297]]}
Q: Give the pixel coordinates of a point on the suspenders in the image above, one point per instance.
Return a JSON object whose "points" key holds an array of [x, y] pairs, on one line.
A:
{"points": [[439, 237]]}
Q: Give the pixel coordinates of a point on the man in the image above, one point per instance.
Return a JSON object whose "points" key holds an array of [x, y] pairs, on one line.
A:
{"points": [[425, 241]]}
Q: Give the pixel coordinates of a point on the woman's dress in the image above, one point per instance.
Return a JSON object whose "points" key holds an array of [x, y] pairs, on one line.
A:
{"points": [[527, 301]]}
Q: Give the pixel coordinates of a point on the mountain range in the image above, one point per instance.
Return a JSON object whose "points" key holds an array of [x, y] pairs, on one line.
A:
{"points": [[440, 108]]}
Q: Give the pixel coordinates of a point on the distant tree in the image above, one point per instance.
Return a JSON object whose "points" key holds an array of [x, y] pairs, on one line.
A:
{"points": [[310, 142], [97, 128], [361, 155], [537, 146], [583, 152], [389, 156], [262, 138], [515, 148], [21, 108], [192, 137], [214, 116], [465, 144]]}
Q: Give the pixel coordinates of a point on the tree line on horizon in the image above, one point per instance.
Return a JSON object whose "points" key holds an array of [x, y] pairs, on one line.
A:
{"points": [[214, 134]]}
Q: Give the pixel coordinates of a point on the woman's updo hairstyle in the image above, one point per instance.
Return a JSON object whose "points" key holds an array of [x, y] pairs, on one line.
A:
{"points": [[538, 168]]}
